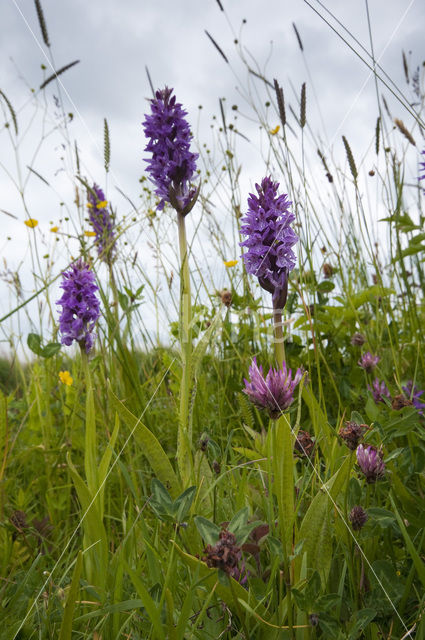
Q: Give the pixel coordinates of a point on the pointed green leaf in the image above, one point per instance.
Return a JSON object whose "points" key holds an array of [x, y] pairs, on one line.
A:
{"points": [[151, 447], [68, 614]]}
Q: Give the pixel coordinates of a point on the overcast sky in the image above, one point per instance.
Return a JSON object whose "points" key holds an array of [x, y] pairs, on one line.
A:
{"points": [[114, 41]]}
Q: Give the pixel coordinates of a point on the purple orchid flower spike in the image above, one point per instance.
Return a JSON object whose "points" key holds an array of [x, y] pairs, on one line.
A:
{"points": [[80, 306], [274, 392], [270, 239], [102, 223], [172, 164]]}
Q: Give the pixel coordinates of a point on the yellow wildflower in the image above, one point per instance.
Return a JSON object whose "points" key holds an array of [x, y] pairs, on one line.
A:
{"points": [[102, 204], [90, 234], [89, 205], [66, 378], [54, 229], [275, 130], [31, 223], [230, 263]]}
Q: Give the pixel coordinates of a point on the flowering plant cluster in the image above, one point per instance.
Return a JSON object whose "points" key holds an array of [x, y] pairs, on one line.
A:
{"points": [[80, 306], [270, 239], [172, 164]]}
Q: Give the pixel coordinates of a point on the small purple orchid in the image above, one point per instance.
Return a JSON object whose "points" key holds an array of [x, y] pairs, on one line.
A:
{"points": [[379, 390], [413, 393], [368, 362], [172, 164], [102, 223], [80, 306], [270, 239], [275, 392], [370, 461]]}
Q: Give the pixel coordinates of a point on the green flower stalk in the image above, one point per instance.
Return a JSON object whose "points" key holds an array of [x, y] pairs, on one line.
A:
{"points": [[171, 167]]}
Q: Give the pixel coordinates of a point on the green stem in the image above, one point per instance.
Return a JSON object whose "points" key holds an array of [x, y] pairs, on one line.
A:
{"points": [[184, 440], [90, 436], [279, 347]]}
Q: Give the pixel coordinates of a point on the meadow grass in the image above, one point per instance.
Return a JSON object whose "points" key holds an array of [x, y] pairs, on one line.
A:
{"points": [[128, 475]]}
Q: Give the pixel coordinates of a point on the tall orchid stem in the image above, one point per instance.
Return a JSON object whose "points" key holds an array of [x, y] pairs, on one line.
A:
{"points": [[184, 439], [279, 346]]}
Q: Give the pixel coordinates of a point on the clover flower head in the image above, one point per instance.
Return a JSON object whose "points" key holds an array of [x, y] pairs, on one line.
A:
{"points": [[357, 339], [102, 223], [369, 459], [80, 306], [172, 164], [269, 239], [224, 555], [358, 517], [368, 362], [274, 392], [414, 393], [352, 433], [379, 390]]}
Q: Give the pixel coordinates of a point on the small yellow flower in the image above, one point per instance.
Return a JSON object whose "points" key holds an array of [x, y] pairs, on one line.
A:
{"points": [[66, 378], [54, 229], [31, 223], [89, 205], [275, 130], [102, 204], [230, 263], [90, 234]]}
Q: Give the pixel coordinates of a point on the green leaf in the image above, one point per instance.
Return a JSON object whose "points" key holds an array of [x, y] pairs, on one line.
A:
{"points": [[91, 520], [148, 603], [280, 447], [239, 520], [68, 614], [34, 343], [123, 300], [51, 349], [325, 286], [161, 501], [182, 504], [208, 530], [150, 446], [316, 530], [322, 429], [362, 619], [419, 565]]}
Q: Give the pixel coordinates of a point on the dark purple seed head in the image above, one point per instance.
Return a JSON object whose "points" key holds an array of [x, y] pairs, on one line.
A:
{"points": [[357, 517], [352, 433]]}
